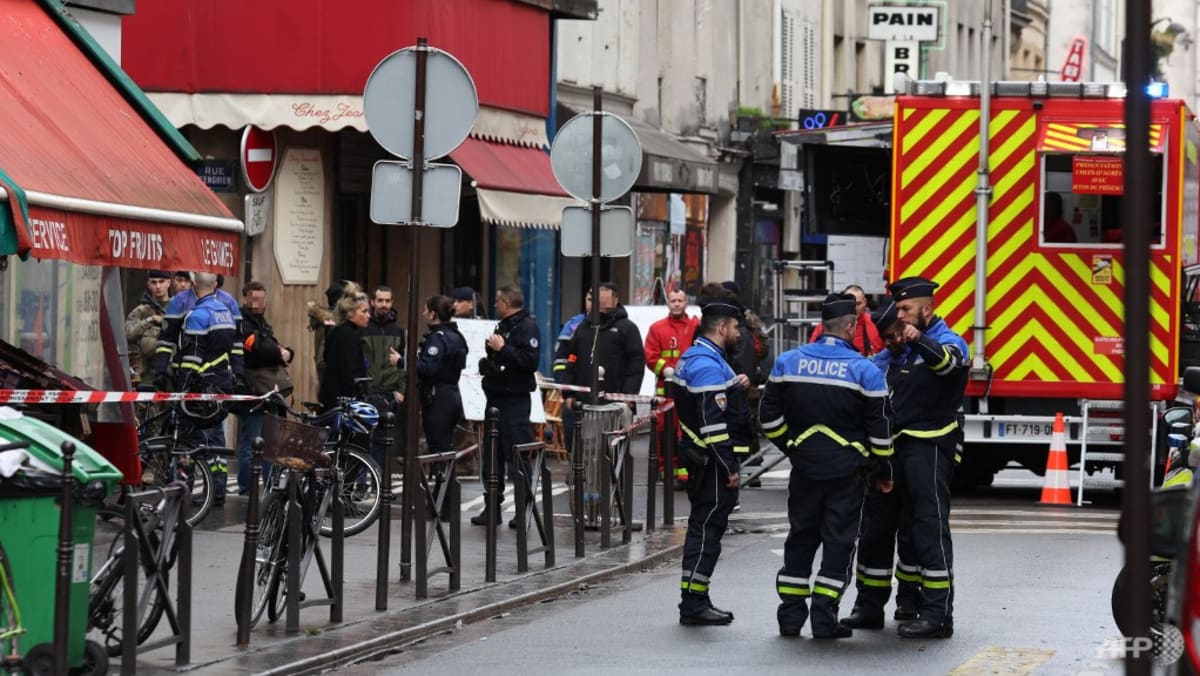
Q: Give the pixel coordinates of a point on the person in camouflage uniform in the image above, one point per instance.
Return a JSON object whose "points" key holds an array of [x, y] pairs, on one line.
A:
{"points": [[143, 325]]}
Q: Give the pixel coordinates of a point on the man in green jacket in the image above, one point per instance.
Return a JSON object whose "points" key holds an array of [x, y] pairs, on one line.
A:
{"points": [[383, 345]]}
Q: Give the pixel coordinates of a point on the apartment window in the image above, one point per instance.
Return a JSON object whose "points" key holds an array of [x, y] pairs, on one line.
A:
{"points": [[700, 92], [808, 67], [787, 70]]}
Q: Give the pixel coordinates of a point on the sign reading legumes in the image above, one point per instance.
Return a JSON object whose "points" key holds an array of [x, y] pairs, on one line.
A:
{"points": [[299, 214]]}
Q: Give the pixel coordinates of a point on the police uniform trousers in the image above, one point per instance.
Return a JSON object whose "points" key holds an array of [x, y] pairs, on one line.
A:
{"points": [[885, 529], [514, 428], [711, 502], [822, 513], [925, 468], [439, 416]]}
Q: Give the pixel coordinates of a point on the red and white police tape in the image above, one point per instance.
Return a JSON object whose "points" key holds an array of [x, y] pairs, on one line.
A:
{"points": [[611, 396], [102, 397]]}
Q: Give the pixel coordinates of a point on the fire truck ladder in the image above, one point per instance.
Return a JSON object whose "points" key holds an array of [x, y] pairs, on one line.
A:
{"points": [[798, 308], [1089, 405]]}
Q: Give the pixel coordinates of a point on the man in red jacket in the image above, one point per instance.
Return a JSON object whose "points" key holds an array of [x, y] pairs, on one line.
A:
{"points": [[666, 340], [866, 339]]}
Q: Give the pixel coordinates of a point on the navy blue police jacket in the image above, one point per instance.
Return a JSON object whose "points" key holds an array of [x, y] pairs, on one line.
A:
{"points": [[441, 357], [510, 369], [209, 357], [710, 402], [825, 405], [928, 380]]}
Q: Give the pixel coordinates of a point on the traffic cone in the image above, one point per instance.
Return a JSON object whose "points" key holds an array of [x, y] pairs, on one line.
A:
{"points": [[1056, 488]]}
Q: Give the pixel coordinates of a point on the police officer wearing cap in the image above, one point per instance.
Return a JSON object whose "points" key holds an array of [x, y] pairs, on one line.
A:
{"points": [[706, 391], [927, 382], [824, 403], [885, 527], [440, 360]]}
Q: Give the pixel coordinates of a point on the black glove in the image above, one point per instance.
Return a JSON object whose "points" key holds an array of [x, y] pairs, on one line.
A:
{"points": [[879, 470], [162, 383], [240, 386]]}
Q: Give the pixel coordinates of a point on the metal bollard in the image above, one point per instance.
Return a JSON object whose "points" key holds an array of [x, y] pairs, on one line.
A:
{"points": [[129, 592], [292, 601], [337, 547], [520, 497], [577, 480], [492, 511], [454, 495], [627, 491], [669, 464], [183, 540], [548, 515], [384, 543], [66, 548], [420, 545], [245, 579], [608, 462], [656, 430]]}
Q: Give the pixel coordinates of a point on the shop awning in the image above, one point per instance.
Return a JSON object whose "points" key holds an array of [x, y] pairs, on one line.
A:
{"points": [[868, 135], [1098, 136], [85, 177], [669, 165], [515, 185]]}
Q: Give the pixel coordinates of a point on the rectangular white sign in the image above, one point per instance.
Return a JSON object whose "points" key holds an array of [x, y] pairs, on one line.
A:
{"points": [[902, 22], [900, 57]]}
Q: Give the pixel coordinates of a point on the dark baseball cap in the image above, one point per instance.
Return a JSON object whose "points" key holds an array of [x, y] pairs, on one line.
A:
{"points": [[463, 293]]}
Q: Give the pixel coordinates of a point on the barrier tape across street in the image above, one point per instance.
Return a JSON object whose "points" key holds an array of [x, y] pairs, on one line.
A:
{"points": [[103, 397]]}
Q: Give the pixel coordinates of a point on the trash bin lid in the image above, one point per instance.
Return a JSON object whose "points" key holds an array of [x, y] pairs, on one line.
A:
{"points": [[45, 444]]}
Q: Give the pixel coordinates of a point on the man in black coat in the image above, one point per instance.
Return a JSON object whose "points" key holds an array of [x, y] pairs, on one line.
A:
{"points": [[618, 350], [265, 360]]}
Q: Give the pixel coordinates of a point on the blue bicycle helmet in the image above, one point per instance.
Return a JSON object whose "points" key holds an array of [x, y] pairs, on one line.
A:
{"points": [[361, 417]]}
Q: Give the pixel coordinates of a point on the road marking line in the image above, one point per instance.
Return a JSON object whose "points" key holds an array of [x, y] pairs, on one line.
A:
{"points": [[1034, 531], [1059, 523], [998, 661], [1094, 516]]}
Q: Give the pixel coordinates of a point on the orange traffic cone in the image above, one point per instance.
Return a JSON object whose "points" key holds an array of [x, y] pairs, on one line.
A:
{"points": [[1056, 489]]}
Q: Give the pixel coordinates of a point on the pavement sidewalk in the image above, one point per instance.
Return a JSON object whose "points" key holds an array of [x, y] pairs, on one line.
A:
{"points": [[365, 631]]}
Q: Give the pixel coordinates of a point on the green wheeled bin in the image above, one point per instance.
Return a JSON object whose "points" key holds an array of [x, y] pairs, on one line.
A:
{"points": [[30, 510]]}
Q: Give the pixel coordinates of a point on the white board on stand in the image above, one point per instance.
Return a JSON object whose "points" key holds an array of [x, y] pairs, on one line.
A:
{"points": [[644, 316], [857, 260], [470, 383]]}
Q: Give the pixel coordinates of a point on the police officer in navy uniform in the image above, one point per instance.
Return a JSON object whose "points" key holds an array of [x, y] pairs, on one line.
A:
{"points": [[507, 370], [927, 383], [441, 358], [705, 391], [824, 402], [885, 526]]}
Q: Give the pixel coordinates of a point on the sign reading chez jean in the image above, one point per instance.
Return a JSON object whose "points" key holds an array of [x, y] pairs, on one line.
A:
{"points": [[902, 22], [219, 175]]}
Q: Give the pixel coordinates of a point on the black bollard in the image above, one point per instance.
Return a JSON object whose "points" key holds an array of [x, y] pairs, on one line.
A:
{"points": [[245, 579], [454, 495], [669, 465], [520, 497], [62, 581], [492, 511], [627, 491], [292, 600], [421, 547], [384, 543], [608, 463], [337, 547], [577, 480], [656, 430]]}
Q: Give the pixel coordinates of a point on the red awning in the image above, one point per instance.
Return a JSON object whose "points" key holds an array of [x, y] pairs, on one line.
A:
{"points": [[515, 185], [102, 187]]}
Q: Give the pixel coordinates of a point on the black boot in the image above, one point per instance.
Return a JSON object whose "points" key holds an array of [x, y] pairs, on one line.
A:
{"points": [[904, 615], [925, 629], [481, 519], [863, 618]]}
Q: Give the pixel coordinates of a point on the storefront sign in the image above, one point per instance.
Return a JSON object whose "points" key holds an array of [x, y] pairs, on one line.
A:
{"points": [[820, 119], [1097, 175], [869, 108], [219, 175], [900, 58], [300, 216], [90, 239], [257, 213], [902, 22]]}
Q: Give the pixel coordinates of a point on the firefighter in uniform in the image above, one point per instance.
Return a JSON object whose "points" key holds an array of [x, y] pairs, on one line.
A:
{"points": [[927, 392], [826, 401], [441, 357], [665, 342], [707, 395], [885, 526]]}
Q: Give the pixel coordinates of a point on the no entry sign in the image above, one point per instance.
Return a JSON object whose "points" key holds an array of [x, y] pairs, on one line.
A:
{"points": [[258, 157]]}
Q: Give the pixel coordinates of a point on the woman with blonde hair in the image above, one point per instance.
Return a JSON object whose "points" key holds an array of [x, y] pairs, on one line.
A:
{"points": [[344, 357]]}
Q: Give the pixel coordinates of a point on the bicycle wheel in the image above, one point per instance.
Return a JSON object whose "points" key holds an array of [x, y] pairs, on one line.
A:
{"points": [[162, 464], [271, 555], [362, 494], [276, 596], [106, 600]]}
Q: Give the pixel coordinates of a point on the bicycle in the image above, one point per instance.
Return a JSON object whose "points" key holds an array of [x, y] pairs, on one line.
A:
{"points": [[170, 455], [107, 584]]}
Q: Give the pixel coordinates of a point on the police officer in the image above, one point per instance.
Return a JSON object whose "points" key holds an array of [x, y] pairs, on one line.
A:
{"points": [[927, 391], [885, 527], [826, 402], [706, 392], [206, 356], [508, 368], [440, 361]]}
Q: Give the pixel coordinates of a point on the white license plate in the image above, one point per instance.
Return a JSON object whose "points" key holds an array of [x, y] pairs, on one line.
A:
{"points": [[1023, 430]]}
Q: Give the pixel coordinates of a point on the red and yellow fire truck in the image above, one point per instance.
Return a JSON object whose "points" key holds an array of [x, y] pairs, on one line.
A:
{"points": [[1048, 334]]}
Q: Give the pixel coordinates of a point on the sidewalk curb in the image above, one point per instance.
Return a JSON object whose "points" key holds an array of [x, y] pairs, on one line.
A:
{"points": [[400, 637]]}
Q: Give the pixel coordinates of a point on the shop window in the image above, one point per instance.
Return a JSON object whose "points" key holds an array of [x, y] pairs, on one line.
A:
{"points": [[1081, 201]]}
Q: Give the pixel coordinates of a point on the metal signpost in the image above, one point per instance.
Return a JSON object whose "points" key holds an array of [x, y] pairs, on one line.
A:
{"points": [[420, 103], [596, 157]]}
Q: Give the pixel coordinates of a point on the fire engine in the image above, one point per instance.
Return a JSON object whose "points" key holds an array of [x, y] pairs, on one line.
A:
{"points": [[1039, 297]]}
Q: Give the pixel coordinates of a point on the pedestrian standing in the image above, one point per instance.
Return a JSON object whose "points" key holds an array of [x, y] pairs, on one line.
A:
{"points": [[441, 358], [867, 339], [562, 354], [512, 355], [705, 388], [144, 323], [464, 303], [345, 360], [885, 525], [825, 403], [266, 364], [616, 344], [927, 394], [665, 343], [383, 346]]}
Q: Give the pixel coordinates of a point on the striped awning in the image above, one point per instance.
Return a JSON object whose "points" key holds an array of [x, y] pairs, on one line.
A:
{"points": [[1091, 137]]}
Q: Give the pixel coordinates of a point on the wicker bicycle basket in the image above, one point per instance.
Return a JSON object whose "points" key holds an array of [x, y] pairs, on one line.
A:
{"points": [[293, 444]]}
